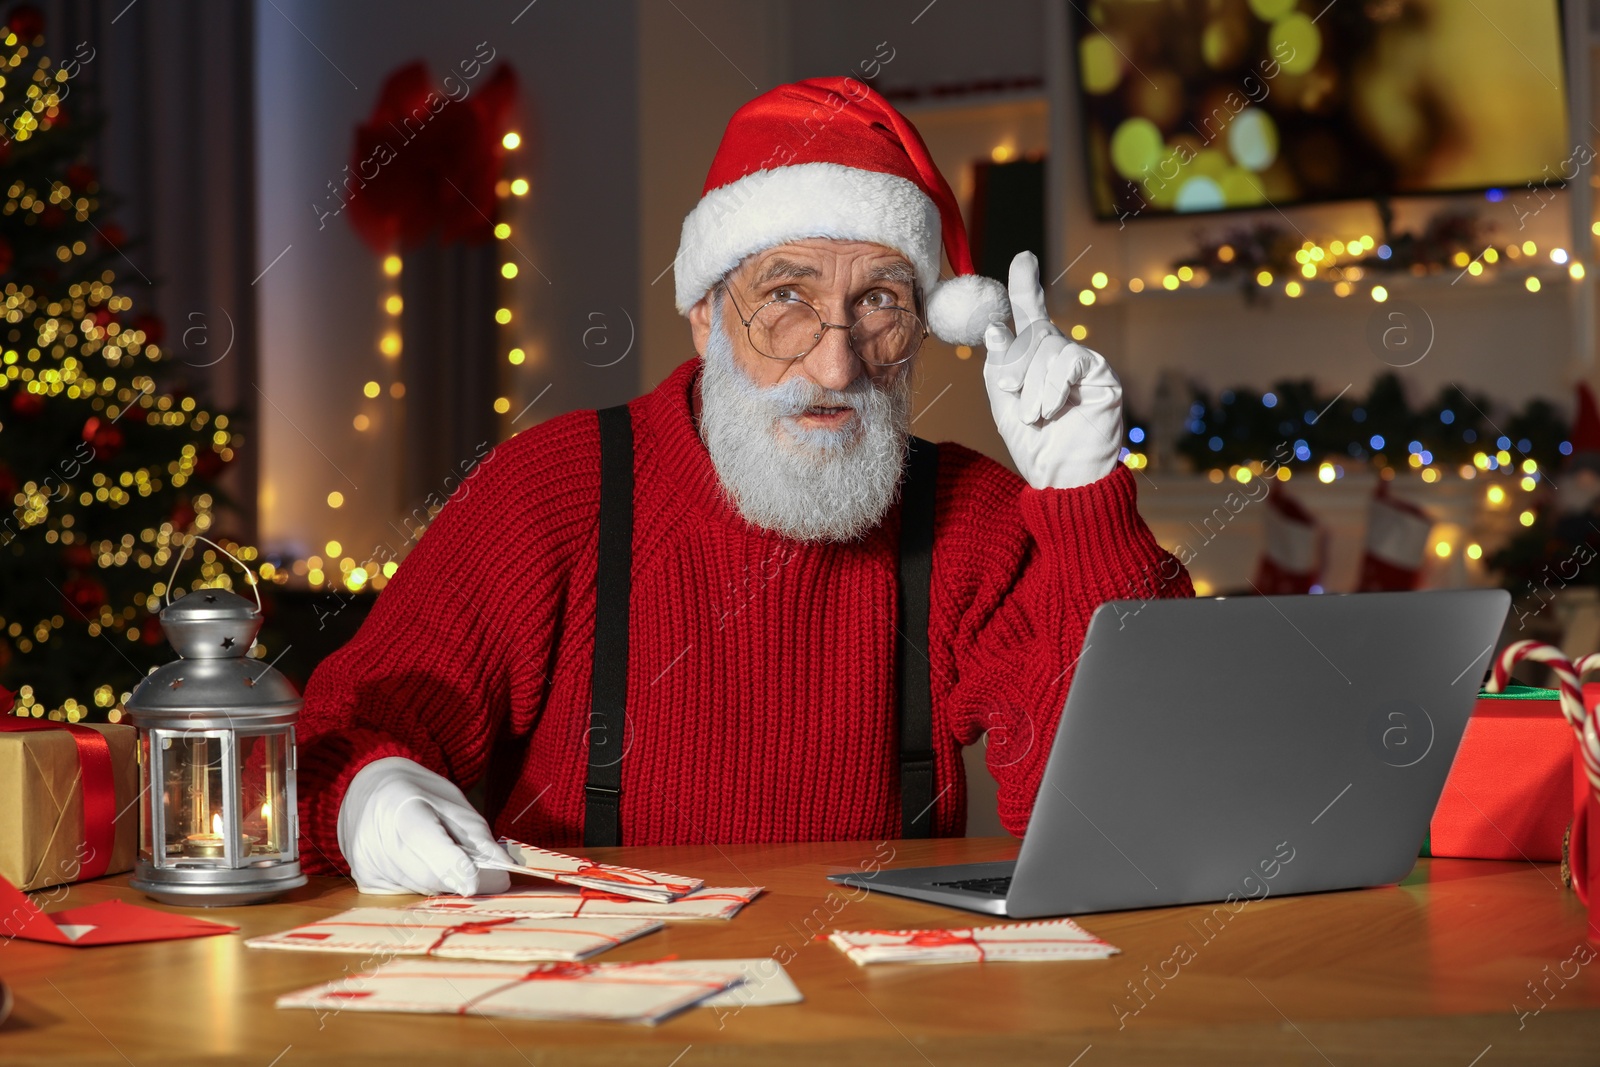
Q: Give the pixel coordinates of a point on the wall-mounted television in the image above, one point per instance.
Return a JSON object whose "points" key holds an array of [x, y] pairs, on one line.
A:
{"points": [[1218, 105]]}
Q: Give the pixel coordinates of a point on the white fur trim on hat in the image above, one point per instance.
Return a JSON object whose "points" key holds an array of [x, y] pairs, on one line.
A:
{"points": [[961, 309], [792, 203]]}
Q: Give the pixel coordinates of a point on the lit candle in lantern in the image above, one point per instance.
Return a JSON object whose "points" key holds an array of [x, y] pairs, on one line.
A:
{"points": [[208, 846], [203, 717]]}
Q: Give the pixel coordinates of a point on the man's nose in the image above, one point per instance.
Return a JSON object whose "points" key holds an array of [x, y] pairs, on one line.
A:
{"points": [[832, 364]]}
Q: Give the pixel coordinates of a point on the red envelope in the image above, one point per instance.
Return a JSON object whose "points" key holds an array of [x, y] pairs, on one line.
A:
{"points": [[110, 922]]}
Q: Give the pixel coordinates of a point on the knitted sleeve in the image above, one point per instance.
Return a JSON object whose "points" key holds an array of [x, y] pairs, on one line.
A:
{"points": [[1030, 592], [461, 633]]}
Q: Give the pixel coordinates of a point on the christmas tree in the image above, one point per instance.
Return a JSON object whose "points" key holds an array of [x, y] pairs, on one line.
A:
{"points": [[106, 464]]}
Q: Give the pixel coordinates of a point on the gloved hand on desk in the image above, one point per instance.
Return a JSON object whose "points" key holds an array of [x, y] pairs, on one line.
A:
{"points": [[404, 829]]}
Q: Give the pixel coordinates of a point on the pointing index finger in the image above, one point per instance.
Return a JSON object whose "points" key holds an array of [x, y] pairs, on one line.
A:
{"points": [[1027, 295]]}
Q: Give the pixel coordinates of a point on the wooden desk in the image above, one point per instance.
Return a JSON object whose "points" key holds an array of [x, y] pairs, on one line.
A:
{"points": [[1433, 971]]}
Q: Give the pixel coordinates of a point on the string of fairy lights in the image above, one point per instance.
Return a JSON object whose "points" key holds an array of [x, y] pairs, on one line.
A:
{"points": [[1321, 264], [335, 567], [1330, 266], [1335, 267]]}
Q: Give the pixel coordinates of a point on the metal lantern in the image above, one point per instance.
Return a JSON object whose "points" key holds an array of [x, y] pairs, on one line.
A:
{"points": [[216, 751]]}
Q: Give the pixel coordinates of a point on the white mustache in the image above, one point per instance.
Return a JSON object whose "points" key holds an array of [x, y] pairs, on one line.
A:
{"points": [[798, 395]]}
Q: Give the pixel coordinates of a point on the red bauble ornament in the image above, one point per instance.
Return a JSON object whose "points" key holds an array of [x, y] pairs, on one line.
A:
{"points": [[26, 21], [183, 515], [155, 331], [6, 254], [8, 486], [103, 317], [78, 557], [52, 217], [112, 236], [105, 436], [84, 595], [25, 404]]}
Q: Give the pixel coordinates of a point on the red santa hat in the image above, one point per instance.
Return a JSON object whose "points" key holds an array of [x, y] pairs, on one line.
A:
{"points": [[829, 157]]}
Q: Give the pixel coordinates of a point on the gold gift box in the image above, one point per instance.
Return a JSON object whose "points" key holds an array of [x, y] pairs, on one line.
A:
{"points": [[41, 804]]}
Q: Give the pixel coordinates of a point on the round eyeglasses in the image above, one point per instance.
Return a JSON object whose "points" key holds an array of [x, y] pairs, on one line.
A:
{"points": [[788, 329]]}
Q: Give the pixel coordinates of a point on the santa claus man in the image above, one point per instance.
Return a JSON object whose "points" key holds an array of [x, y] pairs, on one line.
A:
{"points": [[749, 605]]}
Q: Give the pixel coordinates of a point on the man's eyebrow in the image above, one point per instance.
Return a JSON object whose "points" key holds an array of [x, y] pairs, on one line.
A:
{"points": [[783, 268], [898, 271]]}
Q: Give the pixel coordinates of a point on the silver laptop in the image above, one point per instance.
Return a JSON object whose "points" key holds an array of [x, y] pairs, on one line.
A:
{"points": [[1239, 747]]}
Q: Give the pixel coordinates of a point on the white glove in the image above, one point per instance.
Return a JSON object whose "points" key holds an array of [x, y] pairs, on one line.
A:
{"points": [[404, 829], [1057, 404]]}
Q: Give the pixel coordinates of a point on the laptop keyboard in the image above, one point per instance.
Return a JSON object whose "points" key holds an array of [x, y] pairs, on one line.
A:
{"points": [[994, 887]]}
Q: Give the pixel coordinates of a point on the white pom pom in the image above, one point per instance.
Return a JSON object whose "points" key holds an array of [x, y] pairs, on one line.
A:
{"points": [[959, 310]]}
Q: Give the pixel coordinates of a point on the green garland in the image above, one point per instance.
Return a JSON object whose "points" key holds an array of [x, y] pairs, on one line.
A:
{"points": [[1381, 429]]}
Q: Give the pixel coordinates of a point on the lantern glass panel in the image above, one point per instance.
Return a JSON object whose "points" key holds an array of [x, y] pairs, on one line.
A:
{"points": [[264, 814], [194, 791], [147, 801]]}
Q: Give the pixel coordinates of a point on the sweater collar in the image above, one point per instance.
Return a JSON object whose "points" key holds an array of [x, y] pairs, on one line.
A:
{"points": [[671, 451], [674, 457]]}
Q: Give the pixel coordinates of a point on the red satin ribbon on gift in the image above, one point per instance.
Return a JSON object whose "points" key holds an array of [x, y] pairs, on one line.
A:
{"points": [[99, 789]]}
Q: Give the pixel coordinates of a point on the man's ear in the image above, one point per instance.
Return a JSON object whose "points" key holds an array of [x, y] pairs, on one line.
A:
{"points": [[700, 322]]}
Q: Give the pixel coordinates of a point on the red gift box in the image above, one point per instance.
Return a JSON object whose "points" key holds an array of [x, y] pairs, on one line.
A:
{"points": [[1511, 790]]}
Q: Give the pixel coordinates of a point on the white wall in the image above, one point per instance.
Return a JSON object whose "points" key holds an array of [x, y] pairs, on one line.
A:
{"points": [[321, 68], [699, 60]]}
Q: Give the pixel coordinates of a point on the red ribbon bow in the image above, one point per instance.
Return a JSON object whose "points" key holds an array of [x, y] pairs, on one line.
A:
{"points": [[99, 831], [941, 938]]}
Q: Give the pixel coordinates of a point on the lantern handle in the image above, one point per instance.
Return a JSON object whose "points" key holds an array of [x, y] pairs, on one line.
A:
{"points": [[189, 543]]}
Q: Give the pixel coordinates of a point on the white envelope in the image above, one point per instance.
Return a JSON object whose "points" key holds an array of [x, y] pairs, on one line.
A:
{"points": [[1051, 939], [399, 932], [541, 902], [619, 992], [608, 877]]}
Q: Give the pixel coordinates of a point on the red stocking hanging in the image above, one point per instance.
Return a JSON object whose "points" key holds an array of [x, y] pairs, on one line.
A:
{"points": [[1397, 539], [1292, 558]]}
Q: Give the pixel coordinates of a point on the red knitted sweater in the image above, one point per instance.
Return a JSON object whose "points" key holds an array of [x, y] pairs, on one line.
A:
{"points": [[761, 680]]}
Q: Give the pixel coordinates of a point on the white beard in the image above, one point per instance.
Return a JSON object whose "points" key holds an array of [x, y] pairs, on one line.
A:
{"points": [[808, 484]]}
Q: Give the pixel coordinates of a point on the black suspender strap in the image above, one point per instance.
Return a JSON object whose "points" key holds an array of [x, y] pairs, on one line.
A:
{"points": [[911, 642], [613, 578]]}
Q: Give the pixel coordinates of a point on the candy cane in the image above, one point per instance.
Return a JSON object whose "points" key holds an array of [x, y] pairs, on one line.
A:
{"points": [[1589, 735], [1570, 688]]}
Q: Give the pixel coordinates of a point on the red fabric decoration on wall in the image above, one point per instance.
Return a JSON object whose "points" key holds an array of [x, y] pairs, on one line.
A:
{"points": [[425, 163]]}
